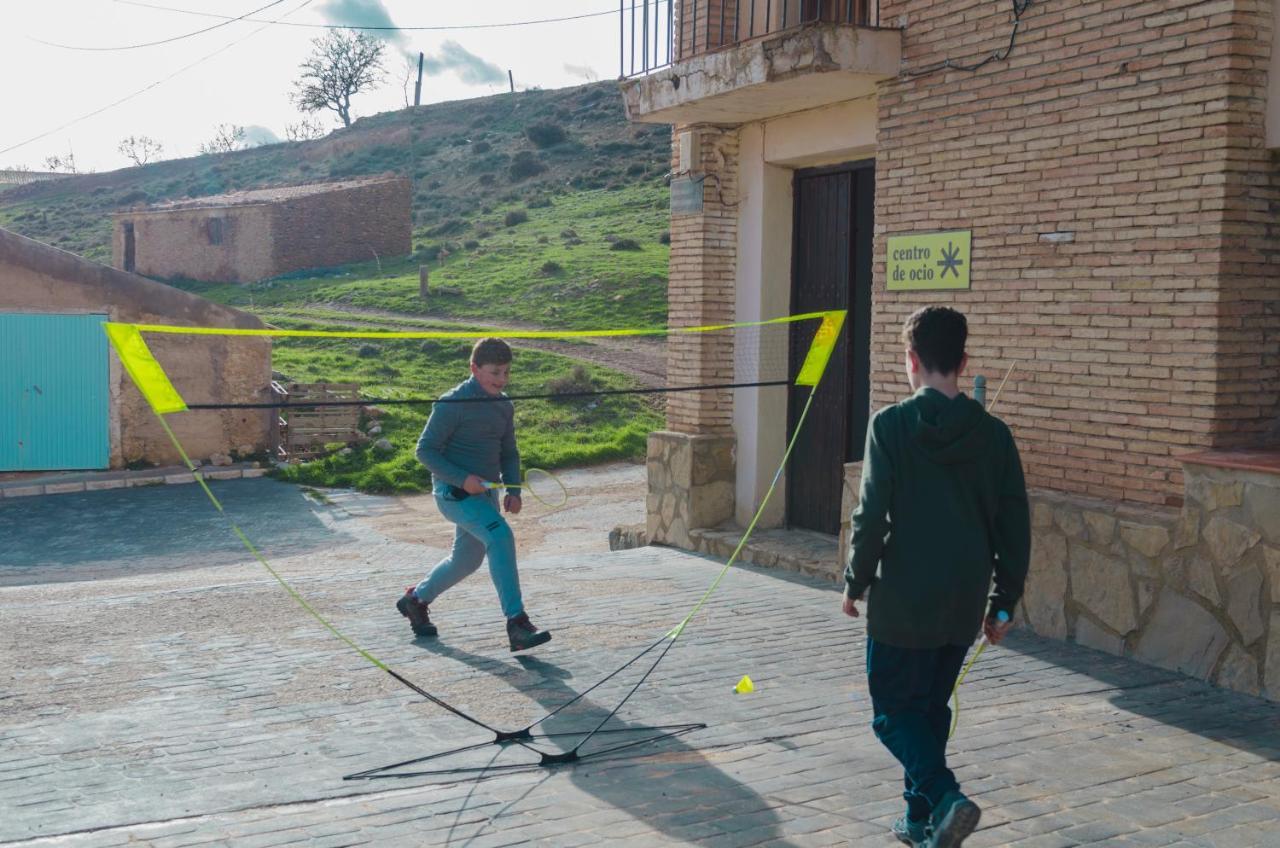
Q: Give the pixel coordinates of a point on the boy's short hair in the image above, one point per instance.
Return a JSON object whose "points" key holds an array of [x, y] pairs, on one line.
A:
{"points": [[490, 351], [937, 335]]}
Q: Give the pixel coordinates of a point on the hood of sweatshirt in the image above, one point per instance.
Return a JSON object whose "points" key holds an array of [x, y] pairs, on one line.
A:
{"points": [[949, 430]]}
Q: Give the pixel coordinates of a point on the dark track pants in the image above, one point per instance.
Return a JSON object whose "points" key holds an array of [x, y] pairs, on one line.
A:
{"points": [[910, 690]]}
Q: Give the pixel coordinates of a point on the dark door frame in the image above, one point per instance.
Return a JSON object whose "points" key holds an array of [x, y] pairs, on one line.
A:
{"points": [[855, 392]]}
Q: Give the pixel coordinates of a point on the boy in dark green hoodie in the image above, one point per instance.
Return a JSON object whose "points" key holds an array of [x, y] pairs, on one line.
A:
{"points": [[943, 509]]}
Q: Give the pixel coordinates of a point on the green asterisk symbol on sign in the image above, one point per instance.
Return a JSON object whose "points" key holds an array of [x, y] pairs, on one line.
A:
{"points": [[950, 261]]}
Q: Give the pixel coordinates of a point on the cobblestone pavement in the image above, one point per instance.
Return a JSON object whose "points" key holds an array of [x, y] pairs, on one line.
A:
{"points": [[145, 703]]}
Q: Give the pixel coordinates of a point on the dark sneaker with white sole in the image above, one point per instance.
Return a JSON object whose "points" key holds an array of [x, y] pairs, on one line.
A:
{"points": [[912, 833], [416, 611], [523, 635], [954, 818]]}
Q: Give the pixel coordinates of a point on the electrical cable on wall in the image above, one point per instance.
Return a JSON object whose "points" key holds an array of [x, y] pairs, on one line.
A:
{"points": [[1019, 6]]}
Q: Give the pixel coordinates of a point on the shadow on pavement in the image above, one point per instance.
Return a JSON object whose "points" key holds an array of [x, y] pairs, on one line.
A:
{"points": [[56, 538], [669, 785], [1231, 718]]}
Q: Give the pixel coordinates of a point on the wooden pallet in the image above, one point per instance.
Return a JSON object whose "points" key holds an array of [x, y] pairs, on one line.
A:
{"points": [[304, 431]]}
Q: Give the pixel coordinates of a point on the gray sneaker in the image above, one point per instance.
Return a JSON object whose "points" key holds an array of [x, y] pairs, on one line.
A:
{"points": [[912, 833], [954, 818]]}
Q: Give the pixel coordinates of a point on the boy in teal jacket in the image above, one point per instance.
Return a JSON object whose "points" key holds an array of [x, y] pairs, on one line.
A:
{"points": [[943, 509], [469, 444]]}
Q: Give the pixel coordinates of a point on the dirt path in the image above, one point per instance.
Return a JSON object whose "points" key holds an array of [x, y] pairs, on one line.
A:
{"points": [[640, 357]]}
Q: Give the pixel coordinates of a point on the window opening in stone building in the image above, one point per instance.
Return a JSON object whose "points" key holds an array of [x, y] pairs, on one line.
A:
{"points": [[130, 246], [215, 227]]}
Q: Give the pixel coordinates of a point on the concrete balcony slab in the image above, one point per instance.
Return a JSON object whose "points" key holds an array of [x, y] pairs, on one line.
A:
{"points": [[804, 68]]}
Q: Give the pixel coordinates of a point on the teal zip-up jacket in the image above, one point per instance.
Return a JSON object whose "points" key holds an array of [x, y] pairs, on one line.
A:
{"points": [[477, 436], [943, 508]]}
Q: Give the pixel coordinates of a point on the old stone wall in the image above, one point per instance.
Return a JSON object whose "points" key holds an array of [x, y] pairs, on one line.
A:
{"points": [[1134, 131], [1195, 590], [189, 244], [359, 223], [690, 485], [208, 369]]}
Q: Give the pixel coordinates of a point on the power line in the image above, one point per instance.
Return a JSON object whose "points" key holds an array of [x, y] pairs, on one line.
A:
{"points": [[440, 28], [147, 88], [227, 22]]}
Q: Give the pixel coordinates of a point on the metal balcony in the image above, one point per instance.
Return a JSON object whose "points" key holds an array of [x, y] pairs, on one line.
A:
{"points": [[732, 61]]}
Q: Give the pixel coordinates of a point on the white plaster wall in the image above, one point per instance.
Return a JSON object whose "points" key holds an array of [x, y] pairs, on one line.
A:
{"points": [[828, 136], [769, 152], [763, 290]]}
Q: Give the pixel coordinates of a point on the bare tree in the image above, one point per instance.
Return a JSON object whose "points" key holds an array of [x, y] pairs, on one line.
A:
{"points": [[226, 137], [304, 130], [140, 149], [341, 65], [66, 163]]}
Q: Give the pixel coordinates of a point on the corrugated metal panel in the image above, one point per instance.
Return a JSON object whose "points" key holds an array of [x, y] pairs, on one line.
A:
{"points": [[53, 392]]}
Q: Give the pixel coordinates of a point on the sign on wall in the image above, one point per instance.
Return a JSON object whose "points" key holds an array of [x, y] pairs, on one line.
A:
{"points": [[928, 261]]}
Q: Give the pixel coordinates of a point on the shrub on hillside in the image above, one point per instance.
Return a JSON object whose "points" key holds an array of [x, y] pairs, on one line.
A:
{"points": [[575, 382], [515, 217], [665, 238], [545, 134], [481, 147], [539, 203], [449, 226], [524, 165], [550, 268], [625, 244]]}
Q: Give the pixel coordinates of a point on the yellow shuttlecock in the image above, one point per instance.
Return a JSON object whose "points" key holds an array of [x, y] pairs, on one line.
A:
{"points": [[745, 686]]}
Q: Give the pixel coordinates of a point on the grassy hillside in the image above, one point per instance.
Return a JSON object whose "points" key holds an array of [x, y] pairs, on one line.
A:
{"points": [[542, 208], [464, 156]]}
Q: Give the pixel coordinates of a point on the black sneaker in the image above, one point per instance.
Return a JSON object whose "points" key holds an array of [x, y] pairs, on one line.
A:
{"points": [[954, 819], [523, 635], [416, 611]]}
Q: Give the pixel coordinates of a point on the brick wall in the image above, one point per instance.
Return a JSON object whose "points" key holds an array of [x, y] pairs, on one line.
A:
{"points": [[353, 224], [1137, 127], [700, 289]]}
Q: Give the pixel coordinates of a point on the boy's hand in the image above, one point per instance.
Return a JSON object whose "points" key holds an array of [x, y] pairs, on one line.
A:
{"points": [[511, 503], [850, 606], [473, 485], [995, 630]]}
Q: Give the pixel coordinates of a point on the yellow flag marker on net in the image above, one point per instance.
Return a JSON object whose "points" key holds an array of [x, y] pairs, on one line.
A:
{"points": [[745, 686]]}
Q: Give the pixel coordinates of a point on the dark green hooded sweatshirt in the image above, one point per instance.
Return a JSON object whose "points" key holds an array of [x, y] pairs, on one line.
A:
{"points": [[943, 508]]}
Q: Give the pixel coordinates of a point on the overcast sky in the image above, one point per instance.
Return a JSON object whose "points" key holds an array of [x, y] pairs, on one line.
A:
{"points": [[248, 83]]}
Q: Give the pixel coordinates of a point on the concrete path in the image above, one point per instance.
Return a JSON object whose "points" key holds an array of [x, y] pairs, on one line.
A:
{"points": [[157, 689]]}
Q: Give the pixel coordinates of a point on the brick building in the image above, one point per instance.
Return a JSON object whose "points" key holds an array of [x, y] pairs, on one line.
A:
{"points": [[66, 401], [1110, 167], [254, 235]]}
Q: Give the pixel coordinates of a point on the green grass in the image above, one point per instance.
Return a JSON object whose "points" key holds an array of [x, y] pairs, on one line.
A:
{"points": [[501, 280], [551, 434]]}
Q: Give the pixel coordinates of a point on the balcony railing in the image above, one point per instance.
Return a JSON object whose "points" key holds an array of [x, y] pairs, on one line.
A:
{"points": [[653, 34]]}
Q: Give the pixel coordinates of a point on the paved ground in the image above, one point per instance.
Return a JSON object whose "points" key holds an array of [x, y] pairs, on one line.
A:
{"points": [[156, 689]]}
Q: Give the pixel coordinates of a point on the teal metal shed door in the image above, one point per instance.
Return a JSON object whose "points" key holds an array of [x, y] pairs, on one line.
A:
{"points": [[53, 392]]}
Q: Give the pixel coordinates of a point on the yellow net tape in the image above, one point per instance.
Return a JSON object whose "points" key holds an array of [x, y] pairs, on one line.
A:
{"points": [[146, 372], [159, 391]]}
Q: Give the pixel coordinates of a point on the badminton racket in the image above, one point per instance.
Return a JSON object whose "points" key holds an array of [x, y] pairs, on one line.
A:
{"points": [[541, 485]]}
